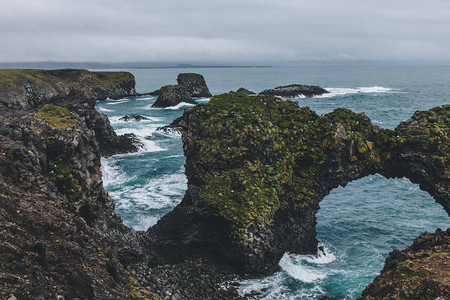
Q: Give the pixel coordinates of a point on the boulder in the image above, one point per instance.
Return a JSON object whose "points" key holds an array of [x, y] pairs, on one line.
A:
{"points": [[194, 83], [295, 90], [244, 90], [171, 95], [134, 118]]}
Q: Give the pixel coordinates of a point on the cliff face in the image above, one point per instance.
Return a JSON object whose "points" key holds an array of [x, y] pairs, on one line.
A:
{"points": [[421, 271], [59, 231], [258, 168], [31, 88], [24, 91]]}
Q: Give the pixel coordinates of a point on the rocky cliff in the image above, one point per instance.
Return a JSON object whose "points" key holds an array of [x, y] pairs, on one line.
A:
{"points": [[194, 83], [421, 271], [24, 91], [171, 95], [59, 231], [258, 168]]}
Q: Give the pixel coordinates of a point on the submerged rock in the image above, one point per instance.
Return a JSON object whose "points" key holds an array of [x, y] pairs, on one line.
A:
{"points": [[134, 118], [194, 83], [258, 167], [295, 90], [171, 95]]}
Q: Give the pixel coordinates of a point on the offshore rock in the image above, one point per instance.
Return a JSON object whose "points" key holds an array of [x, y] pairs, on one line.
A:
{"points": [[245, 91], [171, 95], [133, 118], [195, 84], [421, 271], [177, 126], [258, 167], [295, 90]]}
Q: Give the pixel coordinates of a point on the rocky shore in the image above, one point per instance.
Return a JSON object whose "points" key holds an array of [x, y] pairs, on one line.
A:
{"points": [[257, 169]]}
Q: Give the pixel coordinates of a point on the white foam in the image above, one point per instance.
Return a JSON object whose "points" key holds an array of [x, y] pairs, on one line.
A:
{"points": [[157, 193], [112, 174], [105, 109], [176, 107], [357, 90], [180, 105], [115, 102], [203, 100], [142, 133]]}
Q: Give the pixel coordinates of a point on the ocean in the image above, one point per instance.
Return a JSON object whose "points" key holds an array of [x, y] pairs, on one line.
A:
{"points": [[358, 225]]}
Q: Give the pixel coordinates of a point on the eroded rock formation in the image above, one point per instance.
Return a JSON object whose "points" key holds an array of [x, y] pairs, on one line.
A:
{"points": [[258, 168], [171, 95], [194, 83], [295, 90]]}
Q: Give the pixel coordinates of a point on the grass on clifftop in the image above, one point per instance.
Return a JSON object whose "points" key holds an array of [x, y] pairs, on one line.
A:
{"points": [[16, 78], [59, 117], [259, 149]]}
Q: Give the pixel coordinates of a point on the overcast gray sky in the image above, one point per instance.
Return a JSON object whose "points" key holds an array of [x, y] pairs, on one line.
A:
{"points": [[233, 31]]}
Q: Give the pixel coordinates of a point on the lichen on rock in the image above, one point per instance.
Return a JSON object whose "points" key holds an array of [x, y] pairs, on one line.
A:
{"points": [[258, 167]]}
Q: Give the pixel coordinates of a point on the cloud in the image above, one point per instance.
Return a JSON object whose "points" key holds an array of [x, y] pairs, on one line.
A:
{"points": [[246, 31]]}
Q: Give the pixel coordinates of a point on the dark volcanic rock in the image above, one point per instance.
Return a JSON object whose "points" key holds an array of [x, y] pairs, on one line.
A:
{"points": [[245, 91], [134, 118], [24, 91], [295, 90], [178, 125], [421, 271], [59, 231], [258, 167], [171, 95], [194, 83]]}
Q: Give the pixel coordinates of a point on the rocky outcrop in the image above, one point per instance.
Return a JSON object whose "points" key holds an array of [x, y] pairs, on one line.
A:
{"points": [[24, 91], [171, 95], [245, 91], [59, 231], [295, 90], [32, 88], [194, 83], [177, 126], [134, 118], [421, 271], [258, 167]]}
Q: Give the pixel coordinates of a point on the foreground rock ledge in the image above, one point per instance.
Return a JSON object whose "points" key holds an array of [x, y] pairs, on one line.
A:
{"points": [[421, 271], [258, 167]]}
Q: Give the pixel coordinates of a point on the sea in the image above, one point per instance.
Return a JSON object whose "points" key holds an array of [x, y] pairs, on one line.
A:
{"points": [[358, 225]]}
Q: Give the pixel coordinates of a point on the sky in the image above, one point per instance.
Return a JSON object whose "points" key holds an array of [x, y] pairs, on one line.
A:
{"points": [[224, 31]]}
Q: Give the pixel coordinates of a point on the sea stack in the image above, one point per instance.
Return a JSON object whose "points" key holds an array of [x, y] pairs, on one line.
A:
{"points": [[295, 90], [171, 95], [194, 83]]}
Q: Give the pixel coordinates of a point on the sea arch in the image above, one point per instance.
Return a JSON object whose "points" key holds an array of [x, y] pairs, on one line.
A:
{"points": [[258, 167]]}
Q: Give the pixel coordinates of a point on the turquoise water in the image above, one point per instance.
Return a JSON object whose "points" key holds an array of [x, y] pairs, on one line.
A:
{"points": [[358, 225]]}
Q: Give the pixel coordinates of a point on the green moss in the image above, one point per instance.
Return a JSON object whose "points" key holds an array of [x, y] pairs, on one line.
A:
{"points": [[272, 149], [59, 117]]}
